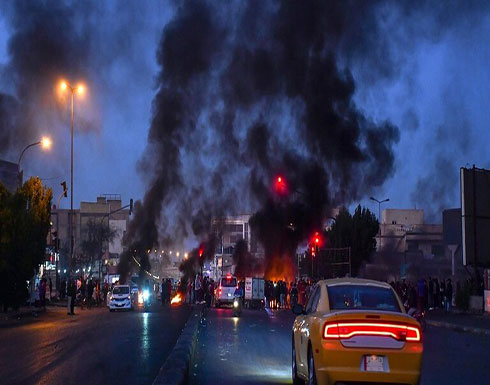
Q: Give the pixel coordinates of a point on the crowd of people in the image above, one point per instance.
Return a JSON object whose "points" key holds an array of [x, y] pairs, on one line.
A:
{"points": [[201, 290], [425, 294], [283, 295]]}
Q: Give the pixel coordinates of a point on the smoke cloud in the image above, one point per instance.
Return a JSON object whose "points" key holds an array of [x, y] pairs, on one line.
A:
{"points": [[243, 98]]}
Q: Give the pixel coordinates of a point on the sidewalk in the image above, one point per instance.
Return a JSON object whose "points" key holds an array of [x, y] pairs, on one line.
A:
{"points": [[463, 322], [21, 316]]}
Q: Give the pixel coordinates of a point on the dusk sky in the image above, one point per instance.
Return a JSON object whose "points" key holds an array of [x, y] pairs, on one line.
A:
{"points": [[427, 73]]}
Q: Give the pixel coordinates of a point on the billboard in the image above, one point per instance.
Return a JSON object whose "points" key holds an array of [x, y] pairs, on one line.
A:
{"points": [[475, 212]]}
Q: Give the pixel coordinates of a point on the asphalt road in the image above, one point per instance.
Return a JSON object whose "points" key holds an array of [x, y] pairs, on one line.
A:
{"points": [[92, 347], [256, 349]]}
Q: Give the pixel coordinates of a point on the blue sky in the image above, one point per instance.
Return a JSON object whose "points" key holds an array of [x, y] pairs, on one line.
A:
{"points": [[438, 97]]}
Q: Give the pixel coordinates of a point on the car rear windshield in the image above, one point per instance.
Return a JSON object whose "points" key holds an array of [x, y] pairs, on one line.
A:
{"points": [[121, 290], [228, 282], [362, 297]]}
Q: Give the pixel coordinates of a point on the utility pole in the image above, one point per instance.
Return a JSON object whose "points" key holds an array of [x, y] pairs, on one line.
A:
{"points": [[475, 245], [379, 215]]}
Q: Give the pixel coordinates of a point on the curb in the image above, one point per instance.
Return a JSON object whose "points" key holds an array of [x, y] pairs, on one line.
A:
{"points": [[175, 370], [459, 328]]}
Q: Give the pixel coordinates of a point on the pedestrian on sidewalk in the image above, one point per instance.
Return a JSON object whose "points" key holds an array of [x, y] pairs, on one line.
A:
{"points": [[449, 294], [83, 291], [90, 293], [431, 293], [50, 289], [437, 295], [420, 294], [71, 293], [42, 293]]}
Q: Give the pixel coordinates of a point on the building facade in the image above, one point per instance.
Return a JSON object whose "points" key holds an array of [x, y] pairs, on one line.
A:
{"points": [[229, 230], [90, 218], [9, 175]]}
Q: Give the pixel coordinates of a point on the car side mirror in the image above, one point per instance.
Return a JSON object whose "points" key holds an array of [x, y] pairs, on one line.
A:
{"points": [[298, 309]]}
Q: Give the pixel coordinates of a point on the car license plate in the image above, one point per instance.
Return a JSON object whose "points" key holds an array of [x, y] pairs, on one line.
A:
{"points": [[374, 363]]}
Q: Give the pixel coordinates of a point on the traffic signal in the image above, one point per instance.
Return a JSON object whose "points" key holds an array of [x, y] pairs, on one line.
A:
{"points": [[201, 252], [65, 189], [280, 185], [130, 206]]}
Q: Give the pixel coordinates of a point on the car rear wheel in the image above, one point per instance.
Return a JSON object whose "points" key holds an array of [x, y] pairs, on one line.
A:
{"points": [[311, 369], [296, 379]]}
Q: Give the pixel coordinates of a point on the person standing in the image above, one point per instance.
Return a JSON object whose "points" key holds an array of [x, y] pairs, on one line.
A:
{"points": [[90, 293], [50, 289], [197, 288], [71, 292], [42, 293], [449, 295], [431, 293], [163, 291]]}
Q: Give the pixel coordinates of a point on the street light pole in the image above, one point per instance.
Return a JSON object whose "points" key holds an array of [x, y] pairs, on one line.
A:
{"points": [[79, 89], [44, 142], [379, 215]]}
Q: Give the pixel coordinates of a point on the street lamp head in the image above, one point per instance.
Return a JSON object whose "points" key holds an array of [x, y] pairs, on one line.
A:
{"points": [[46, 143], [81, 89], [63, 86], [373, 199]]}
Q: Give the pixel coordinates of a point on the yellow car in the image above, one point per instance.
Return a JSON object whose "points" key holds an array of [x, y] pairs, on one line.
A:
{"points": [[355, 330]]}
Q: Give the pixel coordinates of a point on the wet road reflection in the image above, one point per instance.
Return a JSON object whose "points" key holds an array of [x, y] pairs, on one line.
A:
{"points": [[94, 347], [251, 349]]}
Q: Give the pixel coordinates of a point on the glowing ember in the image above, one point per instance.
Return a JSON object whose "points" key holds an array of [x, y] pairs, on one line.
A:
{"points": [[176, 299]]}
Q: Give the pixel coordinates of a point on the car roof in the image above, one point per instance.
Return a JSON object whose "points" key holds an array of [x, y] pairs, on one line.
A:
{"points": [[121, 285], [354, 281]]}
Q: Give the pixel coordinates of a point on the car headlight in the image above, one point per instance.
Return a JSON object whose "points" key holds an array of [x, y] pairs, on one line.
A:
{"points": [[146, 295], [129, 297], [235, 303], [111, 298]]}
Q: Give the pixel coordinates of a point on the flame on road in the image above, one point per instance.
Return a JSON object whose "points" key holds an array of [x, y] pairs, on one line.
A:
{"points": [[176, 299]]}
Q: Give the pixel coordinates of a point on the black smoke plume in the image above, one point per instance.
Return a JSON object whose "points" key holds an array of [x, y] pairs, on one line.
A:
{"points": [[243, 98], [195, 261], [249, 90], [246, 264]]}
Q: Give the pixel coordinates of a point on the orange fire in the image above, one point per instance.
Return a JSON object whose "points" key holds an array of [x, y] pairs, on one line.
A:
{"points": [[280, 269], [176, 299]]}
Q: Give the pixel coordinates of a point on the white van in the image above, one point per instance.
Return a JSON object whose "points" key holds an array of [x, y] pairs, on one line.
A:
{"points": [[121, 298], [225, 292]]}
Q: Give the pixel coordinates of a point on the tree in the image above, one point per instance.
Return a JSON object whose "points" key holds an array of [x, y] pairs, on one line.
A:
{"points": [[97, 236], [24, 225], [356, 231]]}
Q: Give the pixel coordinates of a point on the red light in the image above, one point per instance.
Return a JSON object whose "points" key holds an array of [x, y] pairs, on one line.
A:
{"points": [[228, 275], [346, 330], [201, 252], [279, 179], [317, 240]]}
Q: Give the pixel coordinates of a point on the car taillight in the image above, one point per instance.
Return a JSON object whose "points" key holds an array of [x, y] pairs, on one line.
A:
{"points": [[346, 330]]}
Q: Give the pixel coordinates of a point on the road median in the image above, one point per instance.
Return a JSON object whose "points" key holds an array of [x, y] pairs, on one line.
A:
{"points": [[175, 370]]}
